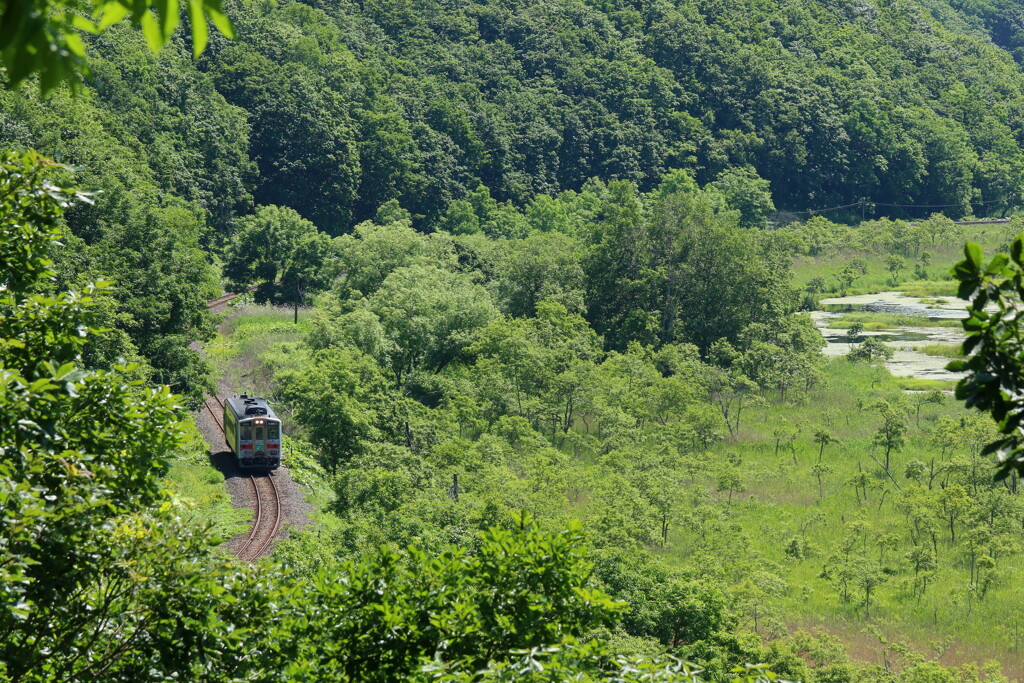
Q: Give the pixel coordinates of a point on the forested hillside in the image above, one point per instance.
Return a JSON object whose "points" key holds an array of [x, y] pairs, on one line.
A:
{"points": [[553, 388], [350, 105], [335, 109]]}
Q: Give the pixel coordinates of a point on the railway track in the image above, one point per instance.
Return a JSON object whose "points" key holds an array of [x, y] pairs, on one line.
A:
{"points": [[267, 502], [214, 303], [218, 417], [221, 300], [268, 518]]}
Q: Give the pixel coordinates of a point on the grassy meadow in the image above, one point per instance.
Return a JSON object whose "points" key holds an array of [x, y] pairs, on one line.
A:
{"points": [[948, 622], [887, 321], [200, 488], [782, 501], [878, 278]]}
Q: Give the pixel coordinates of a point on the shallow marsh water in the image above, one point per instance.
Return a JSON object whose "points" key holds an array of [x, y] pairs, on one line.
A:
{"points": [[906, 362]]}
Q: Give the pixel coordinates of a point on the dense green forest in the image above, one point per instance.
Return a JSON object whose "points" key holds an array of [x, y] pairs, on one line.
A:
{"points": [[334, 110], [554, 391]]}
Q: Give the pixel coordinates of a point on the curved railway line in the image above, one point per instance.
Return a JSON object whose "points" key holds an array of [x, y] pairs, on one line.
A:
{"points": [[267, 507], [230, 296], [213, 303]]}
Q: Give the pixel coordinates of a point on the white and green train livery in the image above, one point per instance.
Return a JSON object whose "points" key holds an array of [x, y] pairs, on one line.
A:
{"points": [[253, 432]]}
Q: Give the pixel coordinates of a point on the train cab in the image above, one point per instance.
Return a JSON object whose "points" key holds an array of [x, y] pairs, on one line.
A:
{"points": [[253, 432]]}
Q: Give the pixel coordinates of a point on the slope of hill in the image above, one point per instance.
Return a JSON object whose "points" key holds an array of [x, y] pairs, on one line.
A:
{"points": [[334, 108]]}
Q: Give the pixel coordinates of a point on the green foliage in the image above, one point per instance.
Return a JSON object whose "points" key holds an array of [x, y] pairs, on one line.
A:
{"points": [[101, 579], [746, 192], [887, 321], [428, 316], [943, 350], [537, 368], [869, 351], [43, 38], [993, 347], [517, 591], [619, 351], [161, 285], [650, 279], [640, 463], [373, 251], [544, 266], [336, 420], [894, 264], [90, 571], [301, 140], [337, 126], [281, 254]]}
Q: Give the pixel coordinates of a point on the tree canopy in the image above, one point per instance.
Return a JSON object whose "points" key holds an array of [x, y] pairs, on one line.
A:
{"points": [[102, 578]]}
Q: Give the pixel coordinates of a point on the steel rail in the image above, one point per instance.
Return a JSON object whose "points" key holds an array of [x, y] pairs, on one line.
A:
{"points": [[217, 417], [213, 303], [264, 549], [256, 524]]}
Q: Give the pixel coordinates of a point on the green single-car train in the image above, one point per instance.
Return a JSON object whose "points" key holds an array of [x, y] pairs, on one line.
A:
{"points": [[253, 433]]}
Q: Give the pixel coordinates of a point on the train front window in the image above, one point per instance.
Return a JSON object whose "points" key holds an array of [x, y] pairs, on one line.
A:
{"points": [[246, 432], [259, 432], [272, 433]]}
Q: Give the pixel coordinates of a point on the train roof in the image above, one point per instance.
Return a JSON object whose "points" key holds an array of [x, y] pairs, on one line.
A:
{"points": [[249, 406]]}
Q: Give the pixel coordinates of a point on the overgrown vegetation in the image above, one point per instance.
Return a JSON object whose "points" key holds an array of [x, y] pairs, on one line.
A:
{"points": [[796, 498], [102, 579], [554, 398]]}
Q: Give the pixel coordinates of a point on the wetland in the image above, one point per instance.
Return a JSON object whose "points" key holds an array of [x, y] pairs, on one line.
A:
{"points": [[905, 324]]}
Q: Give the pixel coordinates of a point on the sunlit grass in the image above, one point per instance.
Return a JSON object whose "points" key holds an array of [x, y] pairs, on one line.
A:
{"points": [[200, 487], [782, 501], [918, 384], [929, 288], [941, 350], [938, 281], [888, 321], [239, 353]]}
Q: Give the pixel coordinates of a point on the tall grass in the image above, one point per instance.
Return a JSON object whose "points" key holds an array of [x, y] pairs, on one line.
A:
{"points": [[201, 487], [879, 279], [239, 353], [782, 501], [889, 321], [942, 350]]}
